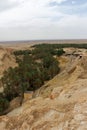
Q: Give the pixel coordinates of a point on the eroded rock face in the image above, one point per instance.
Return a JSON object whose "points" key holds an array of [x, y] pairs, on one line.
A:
{"points": [[6, 60], [48, 116], [61, 104]]}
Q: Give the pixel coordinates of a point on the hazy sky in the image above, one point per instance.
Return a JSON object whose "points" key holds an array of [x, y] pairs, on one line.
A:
{"points": [[43, 19]]}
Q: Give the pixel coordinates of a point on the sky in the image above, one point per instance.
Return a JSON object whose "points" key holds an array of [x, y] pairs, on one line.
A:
{"points": [[43, 19]]}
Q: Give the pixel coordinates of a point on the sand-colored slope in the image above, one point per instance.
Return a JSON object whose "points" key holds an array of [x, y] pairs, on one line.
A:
{"points": [[6, 60], [61, 104]]}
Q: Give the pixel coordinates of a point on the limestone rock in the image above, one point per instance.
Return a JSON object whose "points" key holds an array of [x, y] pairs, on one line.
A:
{"points": [[60, 104]]}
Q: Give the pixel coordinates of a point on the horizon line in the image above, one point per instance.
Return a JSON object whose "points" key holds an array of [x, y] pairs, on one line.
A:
{"points": [[33, 40]]}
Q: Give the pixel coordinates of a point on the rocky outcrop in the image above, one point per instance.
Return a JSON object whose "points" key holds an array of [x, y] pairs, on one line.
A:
{"points": [[6, 60], [61, 104]]}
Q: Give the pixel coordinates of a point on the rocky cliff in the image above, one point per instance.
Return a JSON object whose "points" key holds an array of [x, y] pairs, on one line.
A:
{"points": [[61, 104]]}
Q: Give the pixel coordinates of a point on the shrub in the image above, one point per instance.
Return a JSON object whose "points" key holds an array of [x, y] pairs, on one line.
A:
{"points": [[4, 103], [59, 52]]}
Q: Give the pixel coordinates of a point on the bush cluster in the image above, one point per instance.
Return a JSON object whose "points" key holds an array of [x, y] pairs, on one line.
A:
{"points": [[30, 74], [4, 103]]}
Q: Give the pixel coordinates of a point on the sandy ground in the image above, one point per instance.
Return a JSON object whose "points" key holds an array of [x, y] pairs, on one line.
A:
{"points": [[24, 44]]}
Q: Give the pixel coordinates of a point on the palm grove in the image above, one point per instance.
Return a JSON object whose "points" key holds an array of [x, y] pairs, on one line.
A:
{"points": [[34, 67]]}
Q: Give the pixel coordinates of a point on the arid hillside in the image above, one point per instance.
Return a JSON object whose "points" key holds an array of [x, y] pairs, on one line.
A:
{"points": [[60, 104], [7, 60]]}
